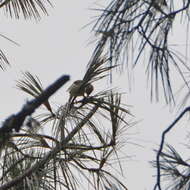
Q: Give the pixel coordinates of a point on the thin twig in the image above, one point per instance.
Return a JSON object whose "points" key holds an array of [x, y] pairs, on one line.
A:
{"points": [[161, 147]]}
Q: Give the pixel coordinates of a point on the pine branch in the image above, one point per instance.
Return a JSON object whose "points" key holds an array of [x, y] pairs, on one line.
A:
{"points": [[50, 154], [15, 121], [158, 185]]}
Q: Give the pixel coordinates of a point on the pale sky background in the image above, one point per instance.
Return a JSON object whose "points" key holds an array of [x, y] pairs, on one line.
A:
{"points": [[58, 45]]}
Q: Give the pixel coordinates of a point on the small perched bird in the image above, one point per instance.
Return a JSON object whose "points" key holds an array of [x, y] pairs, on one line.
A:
{"points": [[78, 88]]}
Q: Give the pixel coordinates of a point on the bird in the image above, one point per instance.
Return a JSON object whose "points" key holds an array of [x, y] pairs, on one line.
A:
{"points": [[78, 88], [88, 89]]}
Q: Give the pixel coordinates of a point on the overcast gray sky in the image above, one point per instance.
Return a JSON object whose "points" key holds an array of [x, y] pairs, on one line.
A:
{"points": [[58, 45]]}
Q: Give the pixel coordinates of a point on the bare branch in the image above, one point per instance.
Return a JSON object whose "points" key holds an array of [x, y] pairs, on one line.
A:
{"points": [[158, 185]]}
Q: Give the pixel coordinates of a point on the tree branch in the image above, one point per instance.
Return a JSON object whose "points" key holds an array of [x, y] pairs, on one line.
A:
{"points": [[50, 154], [15, 121], [158, 185]]}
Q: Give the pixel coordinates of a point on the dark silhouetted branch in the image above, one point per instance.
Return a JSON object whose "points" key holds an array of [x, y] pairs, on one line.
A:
{"points": [[15, 121], [158, 185], [50, 154]]}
